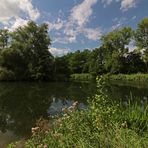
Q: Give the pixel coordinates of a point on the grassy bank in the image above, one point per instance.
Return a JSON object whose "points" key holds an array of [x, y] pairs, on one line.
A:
{"points": [[128, 78], [103, 124], [82, 77]]}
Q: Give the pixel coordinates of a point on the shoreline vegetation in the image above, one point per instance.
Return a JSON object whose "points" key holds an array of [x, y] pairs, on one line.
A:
{"points": [[103, 124]]}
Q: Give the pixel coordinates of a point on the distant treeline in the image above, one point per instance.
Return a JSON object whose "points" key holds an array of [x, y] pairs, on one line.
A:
{"points": [[24, 54]]}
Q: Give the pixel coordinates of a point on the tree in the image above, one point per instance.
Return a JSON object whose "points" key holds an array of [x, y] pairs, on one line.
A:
{"points": [[134, 63], [78, 61], [62, 71], [28, 55], [96, 61], [114, 45], [4, 36], [117, 39], [141, 38], [141, 34]]}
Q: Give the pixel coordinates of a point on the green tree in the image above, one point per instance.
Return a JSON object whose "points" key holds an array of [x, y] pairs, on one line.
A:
{"points": [[141, 34], [117, 39], [61, 65], [114, 44], [28, 55], [141, 38], [96, 61], [134, 63], [4, 36], [78, 61]]}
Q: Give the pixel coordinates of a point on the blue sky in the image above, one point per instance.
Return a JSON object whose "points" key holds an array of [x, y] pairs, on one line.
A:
{"points": [[73, 24]]}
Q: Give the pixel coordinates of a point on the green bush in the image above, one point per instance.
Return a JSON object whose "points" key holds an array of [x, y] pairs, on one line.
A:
{"points": [[6, 75], [82, 77]]}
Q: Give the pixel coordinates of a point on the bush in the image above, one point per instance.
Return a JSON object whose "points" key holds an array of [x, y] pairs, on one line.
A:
{"points": [[82, 77], [6, 75]]}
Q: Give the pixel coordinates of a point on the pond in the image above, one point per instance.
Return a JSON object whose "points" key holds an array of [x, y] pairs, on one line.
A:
{"points": [[21, 104]]}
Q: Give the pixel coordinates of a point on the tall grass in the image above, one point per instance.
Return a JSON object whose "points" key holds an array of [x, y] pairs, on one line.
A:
{"points": [[82, 77], [130, 77]]}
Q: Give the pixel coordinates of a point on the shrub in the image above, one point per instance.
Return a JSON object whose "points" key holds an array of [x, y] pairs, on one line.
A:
{"points": [[82, 77], [6, 75]]}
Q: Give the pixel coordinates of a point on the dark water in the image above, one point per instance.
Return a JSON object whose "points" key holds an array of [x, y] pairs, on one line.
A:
{"points": [[21, 104]]}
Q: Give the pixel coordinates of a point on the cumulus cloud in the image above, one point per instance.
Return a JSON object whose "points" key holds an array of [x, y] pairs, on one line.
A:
{"points": [[81, 13], [106, 2], [118, 23], [17, 23], [59, 51], [11, 9], [126, 4], [55, 25], [92, 33], [76, 24]]}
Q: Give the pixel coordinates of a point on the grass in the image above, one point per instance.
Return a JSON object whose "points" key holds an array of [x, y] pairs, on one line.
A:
{"points": [[82, 77], [104, 124], [130, 77]]}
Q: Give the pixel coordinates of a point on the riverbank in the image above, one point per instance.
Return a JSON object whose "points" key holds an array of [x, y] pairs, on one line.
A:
{"points": [[104, 124], [128, 79], [84, 77]]}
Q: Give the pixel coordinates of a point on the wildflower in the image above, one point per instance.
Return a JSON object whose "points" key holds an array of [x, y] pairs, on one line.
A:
{"points": [[124, 124], [35, 129], [45, 146]]}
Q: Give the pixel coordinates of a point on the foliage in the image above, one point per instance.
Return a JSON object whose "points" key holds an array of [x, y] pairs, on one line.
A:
{"points": [[62, 70], [117, 39], [78, 61], [27, 55], [141, 34], [131, 78], [6, 75], [82, 77], [4, 36]]}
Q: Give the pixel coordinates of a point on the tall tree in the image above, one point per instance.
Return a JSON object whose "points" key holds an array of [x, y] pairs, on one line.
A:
{"points": [[28, 56], [141, 34], [117, 39], [141, 38], [114, 44]]}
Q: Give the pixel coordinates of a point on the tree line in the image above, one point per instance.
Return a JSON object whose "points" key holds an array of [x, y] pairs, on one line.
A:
{"points": [[24, 54]]}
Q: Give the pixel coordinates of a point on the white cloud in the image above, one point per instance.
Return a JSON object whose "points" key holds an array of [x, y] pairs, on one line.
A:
{"points": [[17, 23], [27, 7], [77, 21], [11, 9], [106, 2], [92, 33], [59, 51], [118, 23], [134, 17], [126, 4], [81, 13], [55, 26], [76, 24]]}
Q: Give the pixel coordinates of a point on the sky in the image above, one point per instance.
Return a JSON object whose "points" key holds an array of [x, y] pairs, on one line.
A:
{"points": [[73, 24]]}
